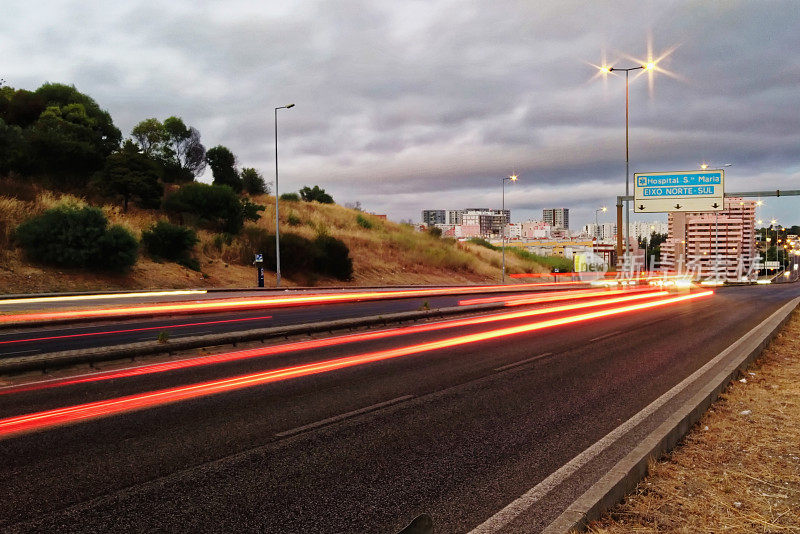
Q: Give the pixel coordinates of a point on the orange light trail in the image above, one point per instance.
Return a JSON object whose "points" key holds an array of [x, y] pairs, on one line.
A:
{"points": [[318, 343], [226, 305], [83, 412], [532, 298]]}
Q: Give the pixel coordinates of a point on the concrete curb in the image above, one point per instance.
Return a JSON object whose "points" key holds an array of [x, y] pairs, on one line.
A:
{"points": [[54, 360], [624, 476]]}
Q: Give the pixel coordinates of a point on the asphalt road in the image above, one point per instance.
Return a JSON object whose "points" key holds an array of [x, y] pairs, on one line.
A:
{"points": [[457, 432], [28, 341]]}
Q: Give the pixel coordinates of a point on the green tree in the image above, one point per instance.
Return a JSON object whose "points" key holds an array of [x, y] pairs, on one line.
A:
{"points": [[253, 182], [106, 136], [315, 194], [184, 153], [215, 206], [223, 166], [151, 136], [12, 148], [71, 137], [129, 174], [21, 108]]}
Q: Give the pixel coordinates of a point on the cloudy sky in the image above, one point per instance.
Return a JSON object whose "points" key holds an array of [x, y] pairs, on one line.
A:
{"points": [[406, 105]]}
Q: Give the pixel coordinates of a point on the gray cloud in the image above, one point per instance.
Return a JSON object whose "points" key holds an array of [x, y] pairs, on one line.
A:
{"points": [[423, 104]]}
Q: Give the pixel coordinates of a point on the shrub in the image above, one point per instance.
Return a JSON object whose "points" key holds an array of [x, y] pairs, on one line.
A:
{"points": [[215, 206], [435, 231], [363, 222], [72, 236], [554, 262], [253, 182], [482, 243], [299, 256], [118, 249], [171, 242], [315, 194], [290, 197], [293, 219], [333, 257]]}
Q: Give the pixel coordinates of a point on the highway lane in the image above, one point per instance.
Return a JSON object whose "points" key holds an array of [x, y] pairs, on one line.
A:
{"points": [[21, 341], [467, 441]]}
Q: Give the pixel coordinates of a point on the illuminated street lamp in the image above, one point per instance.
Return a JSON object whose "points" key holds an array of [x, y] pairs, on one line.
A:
{"points": [[603, 209], [649, 66], [277, 220], [512, 178]]}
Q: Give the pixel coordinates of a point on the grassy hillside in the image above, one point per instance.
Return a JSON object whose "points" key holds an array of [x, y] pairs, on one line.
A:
{"points": [[383, 252]]}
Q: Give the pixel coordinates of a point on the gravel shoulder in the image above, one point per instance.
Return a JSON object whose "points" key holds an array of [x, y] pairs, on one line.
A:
{"points": [[738, 469]]}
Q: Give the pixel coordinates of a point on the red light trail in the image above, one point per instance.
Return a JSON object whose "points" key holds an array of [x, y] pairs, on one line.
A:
{"points": [[321, 343], [48, 338], [83, 412], [242, 304], [532, 298]]}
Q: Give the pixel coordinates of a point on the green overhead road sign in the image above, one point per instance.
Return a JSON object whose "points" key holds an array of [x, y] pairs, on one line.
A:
{"points": [[656, 192]]}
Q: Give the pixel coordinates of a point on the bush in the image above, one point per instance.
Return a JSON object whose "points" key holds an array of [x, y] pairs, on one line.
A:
{"points": [[324, 255], [290, 197], [564, 265], [315, 194], [435, 231], [363, 222], [482, 243], [170, 242], [253, 182], [333, 258], [215, 206], [72, 236], [293, 219]]}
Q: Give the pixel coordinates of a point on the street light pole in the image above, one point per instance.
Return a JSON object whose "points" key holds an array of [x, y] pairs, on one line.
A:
{"points": [[277, 218], [596, 225], [649, 67], [512, 178]]}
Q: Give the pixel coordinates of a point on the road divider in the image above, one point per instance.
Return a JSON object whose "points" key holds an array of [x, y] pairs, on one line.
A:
{"points": [[92, 410]]}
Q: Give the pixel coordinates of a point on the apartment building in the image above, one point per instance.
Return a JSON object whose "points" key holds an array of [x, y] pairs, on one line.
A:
{"points": [[713, 244]]}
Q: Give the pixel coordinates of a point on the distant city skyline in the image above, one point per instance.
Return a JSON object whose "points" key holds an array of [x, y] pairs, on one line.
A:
{"points": [[399, 102]]}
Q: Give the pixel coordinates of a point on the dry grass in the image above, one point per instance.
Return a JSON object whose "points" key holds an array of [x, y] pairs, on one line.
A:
{"points": [[738, 470], [386, 254]]}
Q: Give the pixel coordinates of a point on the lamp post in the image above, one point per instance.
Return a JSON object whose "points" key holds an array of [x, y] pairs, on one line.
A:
{"points": [[596, 225], [605, 69], [512, 178], [277, 219]]}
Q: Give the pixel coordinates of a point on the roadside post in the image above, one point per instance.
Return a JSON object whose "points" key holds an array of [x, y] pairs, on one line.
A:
{"points": [[259, 263]]}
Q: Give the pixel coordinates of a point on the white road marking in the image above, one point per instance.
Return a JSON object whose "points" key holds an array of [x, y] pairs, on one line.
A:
{"points": [[342, 416], [598, 338], [523, 362], [505, 516]]}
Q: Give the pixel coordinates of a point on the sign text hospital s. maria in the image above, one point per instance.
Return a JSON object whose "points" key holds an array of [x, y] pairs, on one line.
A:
{"points": [[679, 191]]}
